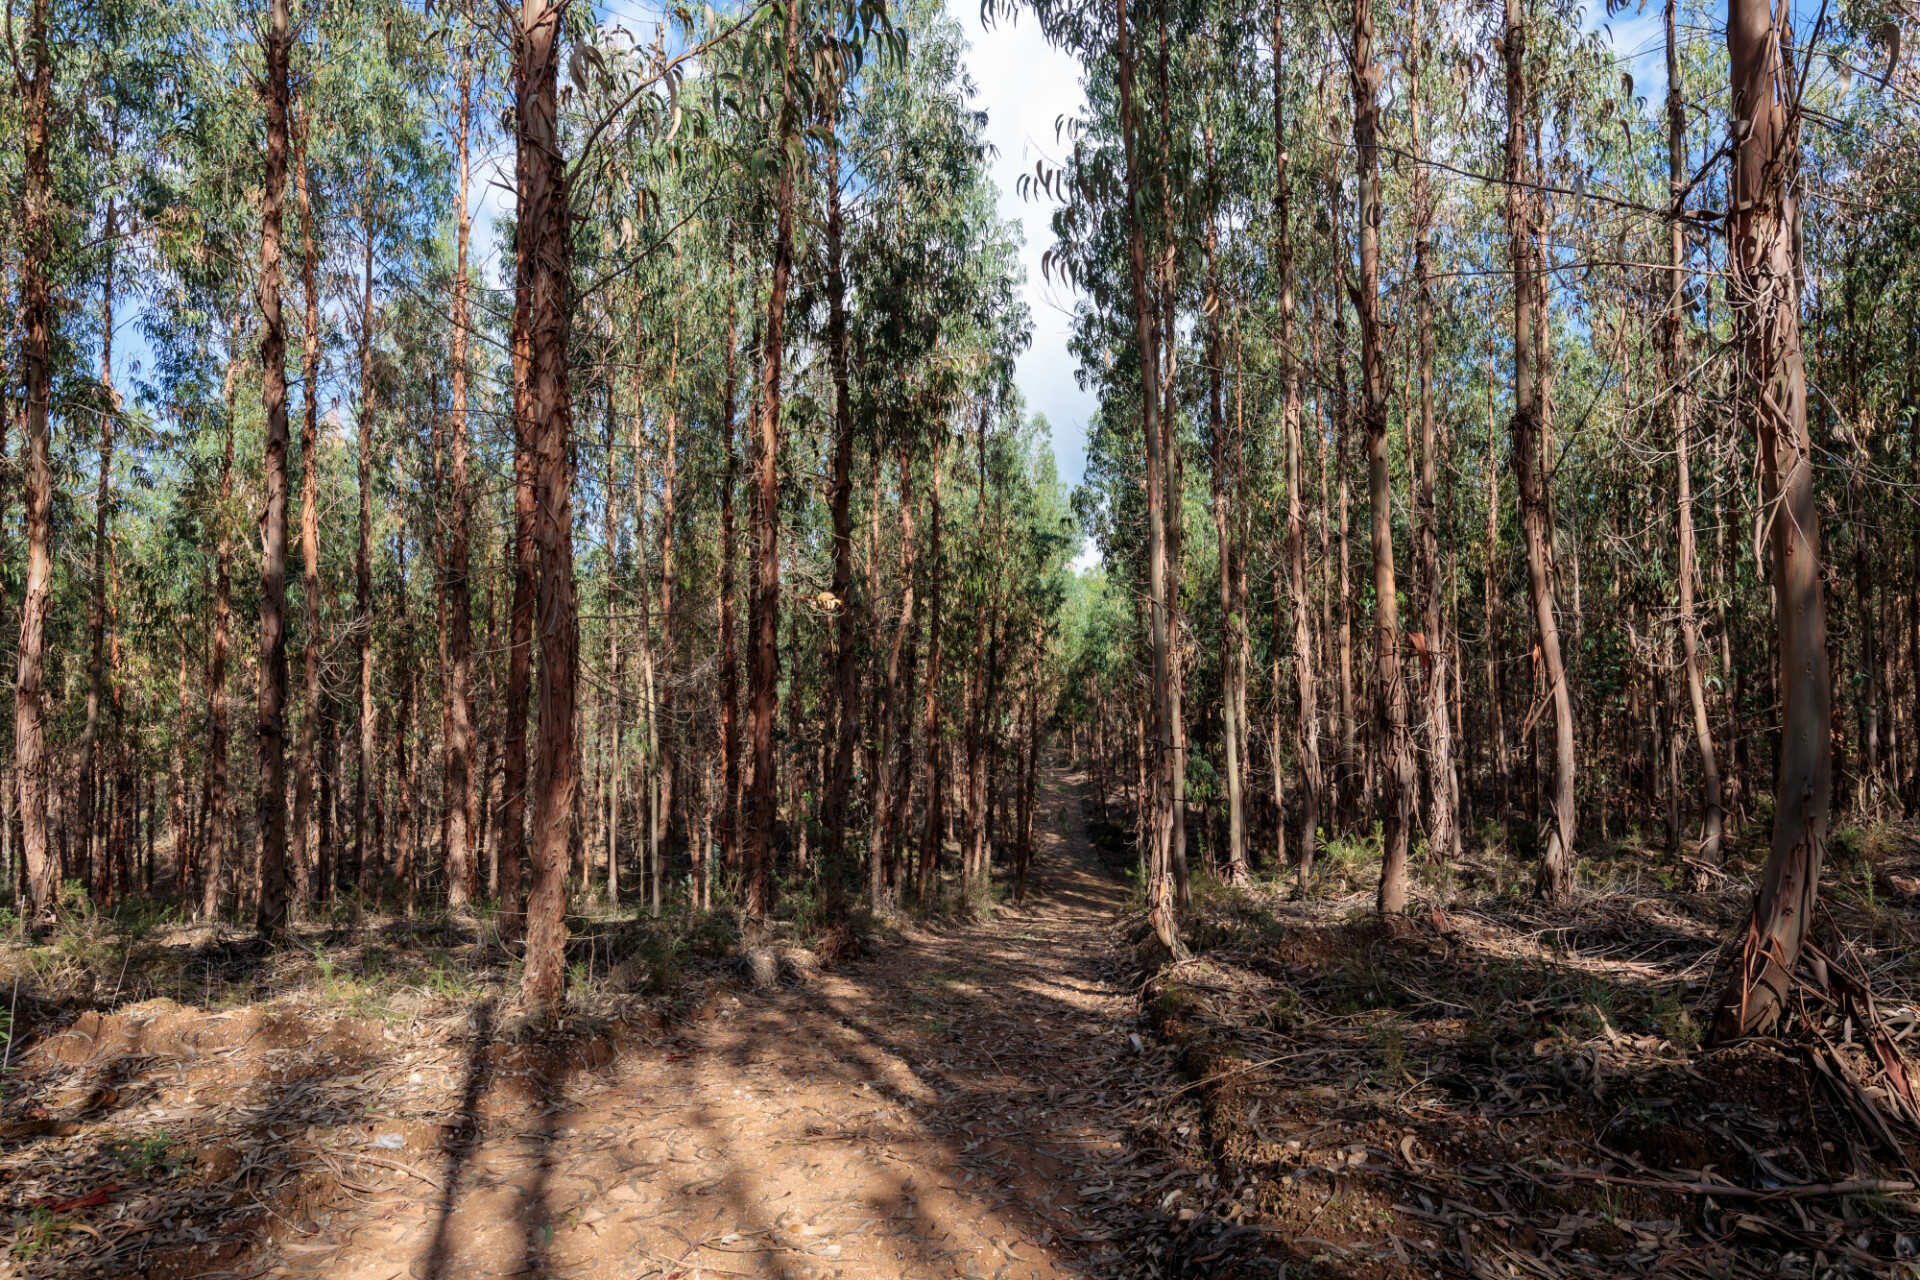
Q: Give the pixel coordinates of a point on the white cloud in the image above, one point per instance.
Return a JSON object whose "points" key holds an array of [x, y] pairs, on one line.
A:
{"points": [[1025, 86]]}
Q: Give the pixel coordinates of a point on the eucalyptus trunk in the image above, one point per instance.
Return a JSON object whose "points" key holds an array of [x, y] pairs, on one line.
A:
{"points": [[930, 831], [544, 265], [1555, 881], [525, 569], [1159, 820], [214, 796], [894, 698], [763, 662], [729, 800], [37, 247], [1224, 526], [1437, 649], [310, 657], [460, 799], [1307, 717], [272, 699], [91, 780], [366, 803], [846, 681], [1393, 745], [1765, 287]]}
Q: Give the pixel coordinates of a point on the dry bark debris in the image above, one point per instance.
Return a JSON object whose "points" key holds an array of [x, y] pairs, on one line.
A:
{"points": [[1501, 1089]]}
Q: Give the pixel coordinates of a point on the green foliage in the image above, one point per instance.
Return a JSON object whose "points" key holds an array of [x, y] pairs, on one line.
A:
{"points": [[156, 1155], [1676, 1023], [41, 1230]]}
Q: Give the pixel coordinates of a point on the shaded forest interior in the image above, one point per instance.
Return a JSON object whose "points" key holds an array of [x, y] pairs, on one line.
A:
{"points": [[520, 526]]}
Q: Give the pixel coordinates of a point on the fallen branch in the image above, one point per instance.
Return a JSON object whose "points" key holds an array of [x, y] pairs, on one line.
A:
{"points": [[1858, 1186], [399, 1166]]}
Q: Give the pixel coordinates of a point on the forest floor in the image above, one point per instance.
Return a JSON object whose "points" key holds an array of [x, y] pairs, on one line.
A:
{"points": [[972, 1100], [1490, 1087], [1482, 1089]]}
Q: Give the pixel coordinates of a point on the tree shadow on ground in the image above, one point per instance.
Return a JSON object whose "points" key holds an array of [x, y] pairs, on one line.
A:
{"points": [[463, 1135], [1370, 1090], [872, 1117]]}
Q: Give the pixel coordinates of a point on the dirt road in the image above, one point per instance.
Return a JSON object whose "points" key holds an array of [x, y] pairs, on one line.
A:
{"points": [[961, 1105]]}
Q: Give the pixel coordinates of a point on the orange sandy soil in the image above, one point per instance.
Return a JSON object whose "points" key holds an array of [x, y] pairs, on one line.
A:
{"points": [[970, 1103]]}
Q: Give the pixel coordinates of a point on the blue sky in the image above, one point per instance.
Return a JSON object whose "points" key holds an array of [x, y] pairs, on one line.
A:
{"points": [[1025, 85]]}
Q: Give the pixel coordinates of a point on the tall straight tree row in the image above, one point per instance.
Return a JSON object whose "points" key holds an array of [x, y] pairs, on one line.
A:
{"points": [[746, 566], [1529, 280], [699, 258]]}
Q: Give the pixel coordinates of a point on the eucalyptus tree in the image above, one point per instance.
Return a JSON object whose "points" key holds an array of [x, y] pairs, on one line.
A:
{"points": [[1437, 643], [461, 794], [277, 39], [1555, 879], [763, 663], [1389, 688], [34, 74], [1307, 717], [544, 280], [1680, 410], [1765, 292]]}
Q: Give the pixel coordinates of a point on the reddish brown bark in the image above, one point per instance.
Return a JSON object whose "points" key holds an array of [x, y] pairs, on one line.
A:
{"points": [[177, 810], [36, 307], [729, 801], [364, 797], [400, 867], [524, 569], [763, 663], [545, 270], [660, 707], [297, 854], [935, 816], [1025, 761], [92, 780], [846, 682], [271, 917], [214, 798], [610, 698], [461, 865], [893, 699]]}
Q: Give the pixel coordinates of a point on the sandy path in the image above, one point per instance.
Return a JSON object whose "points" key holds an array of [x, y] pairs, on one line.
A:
{"points": [[943, 1109]]}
